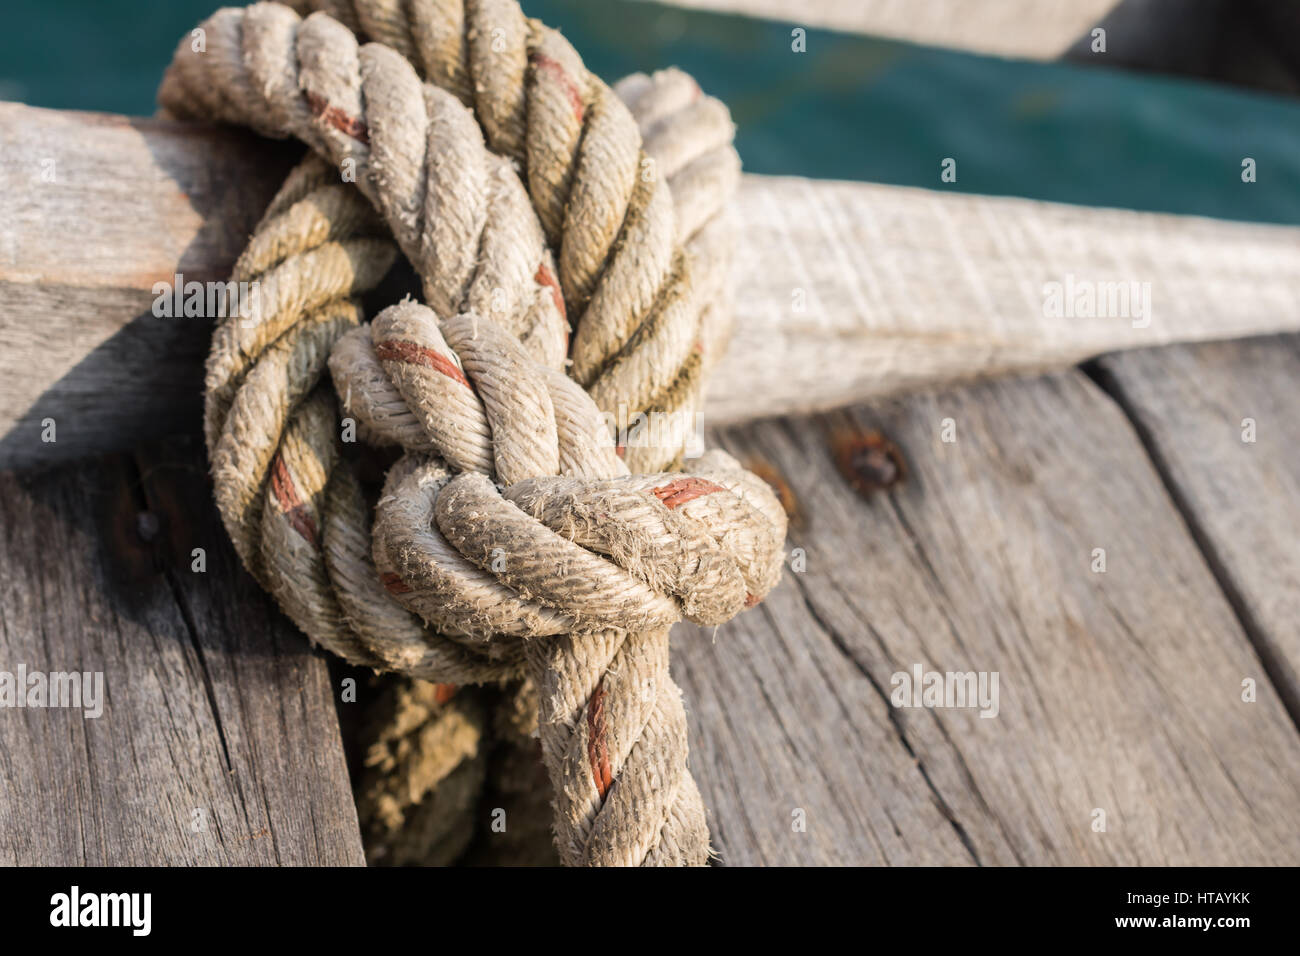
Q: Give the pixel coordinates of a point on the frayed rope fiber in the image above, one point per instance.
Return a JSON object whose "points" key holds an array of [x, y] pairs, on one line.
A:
{"points": [[514, 539]]}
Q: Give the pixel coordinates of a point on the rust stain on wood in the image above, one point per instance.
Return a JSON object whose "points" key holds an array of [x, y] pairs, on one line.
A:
{"points": [[869, 461]]}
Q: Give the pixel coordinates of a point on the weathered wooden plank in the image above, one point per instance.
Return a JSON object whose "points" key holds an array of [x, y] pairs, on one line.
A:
{"points": [[844, 290], [854, 290], [1032, 29], [218, 742], [1219, 421], [1221, 424], [1119, 691]]}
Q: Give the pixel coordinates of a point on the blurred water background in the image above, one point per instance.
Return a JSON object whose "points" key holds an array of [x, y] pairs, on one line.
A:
{"points": [[849, 108]]}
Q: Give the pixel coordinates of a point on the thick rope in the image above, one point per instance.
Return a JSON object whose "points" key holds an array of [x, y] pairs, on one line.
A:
{"points": [[298, 521], [339, 604], [516, 799], [318, 245], [458, 212], [425, 767], [598, 561], [600, 198], [682, 132], [540, 106], [664, 105]]}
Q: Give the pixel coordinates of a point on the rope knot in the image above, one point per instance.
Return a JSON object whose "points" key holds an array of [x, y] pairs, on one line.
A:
{"points": [[515, 516], [557, 206]]}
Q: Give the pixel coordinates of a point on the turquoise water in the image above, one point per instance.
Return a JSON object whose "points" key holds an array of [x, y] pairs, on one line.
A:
{"points": [[849, 108]]}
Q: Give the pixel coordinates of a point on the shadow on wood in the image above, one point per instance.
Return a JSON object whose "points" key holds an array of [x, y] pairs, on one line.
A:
{"points": [[95, 210]]}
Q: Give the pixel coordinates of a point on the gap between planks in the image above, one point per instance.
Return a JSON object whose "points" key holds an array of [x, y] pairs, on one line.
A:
{"points": [[1240, 499]]}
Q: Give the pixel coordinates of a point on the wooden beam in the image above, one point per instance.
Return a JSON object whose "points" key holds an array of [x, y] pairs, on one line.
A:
{"points": [[844, 290], [1028, 29], [218, 741], [905, 288], [1119, 691]]}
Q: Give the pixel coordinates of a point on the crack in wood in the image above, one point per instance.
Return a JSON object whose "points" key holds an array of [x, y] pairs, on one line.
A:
{"points": [[838, 642]]}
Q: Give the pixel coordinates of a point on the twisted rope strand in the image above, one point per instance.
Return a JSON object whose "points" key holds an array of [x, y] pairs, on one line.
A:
{"points": [[424, 768], [646, 323], [426, 764], [297, 519], [458, 212]]}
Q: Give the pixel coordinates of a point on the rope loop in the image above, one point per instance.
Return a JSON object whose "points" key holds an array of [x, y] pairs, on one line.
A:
{"points": [[572, 246]]}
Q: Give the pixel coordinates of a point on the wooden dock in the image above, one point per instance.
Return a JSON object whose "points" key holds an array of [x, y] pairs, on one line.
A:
{"points": [[1149, 713], [1120, 691]]}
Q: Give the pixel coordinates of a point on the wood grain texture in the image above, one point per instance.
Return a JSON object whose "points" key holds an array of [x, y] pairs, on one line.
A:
{"points": [[216, 712], [844, 291], [901, 288], [1119, 691], [1241, 498]]}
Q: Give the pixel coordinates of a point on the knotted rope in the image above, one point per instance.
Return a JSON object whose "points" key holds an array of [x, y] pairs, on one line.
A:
{"points": [[598, 561], [574, 549], [420, 158]]}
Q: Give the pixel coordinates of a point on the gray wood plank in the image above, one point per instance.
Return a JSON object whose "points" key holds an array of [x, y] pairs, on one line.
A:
{"points": [[1119, 691], [1241, 498], [218, 742]]}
